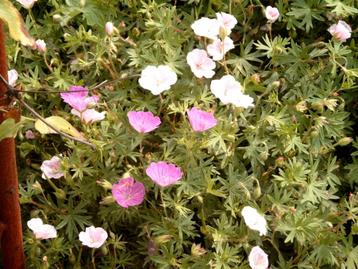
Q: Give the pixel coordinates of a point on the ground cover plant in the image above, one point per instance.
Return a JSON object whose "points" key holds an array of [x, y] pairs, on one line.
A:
{"points": [[210, 134]]}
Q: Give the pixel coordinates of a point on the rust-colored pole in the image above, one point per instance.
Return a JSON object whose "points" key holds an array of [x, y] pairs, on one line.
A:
{"points": [[10, 216]]}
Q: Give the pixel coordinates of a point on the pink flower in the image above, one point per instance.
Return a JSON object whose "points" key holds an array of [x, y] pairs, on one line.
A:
{"points": [[226, 21], [258, 259], [40, 45], [27, 3], [157, 79], [52, 168], [77, 98], [127, 192], [206, 27], [201, 120], [340, 31], [12, 77], [200, 64], [93, 237], [143, 122], [109, 28], [164, 174], [29, 135], [218, 48], [272, 13], [89, 115], [41, 231]]}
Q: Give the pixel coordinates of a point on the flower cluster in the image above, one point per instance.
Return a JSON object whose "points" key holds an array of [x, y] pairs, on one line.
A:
{"points": [[77, 97]]}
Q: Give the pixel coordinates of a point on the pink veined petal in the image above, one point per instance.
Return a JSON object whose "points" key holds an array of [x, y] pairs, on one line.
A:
{"points": [[76, 98], [127, 192], [143, 122], [164, 174], [201, 120]]}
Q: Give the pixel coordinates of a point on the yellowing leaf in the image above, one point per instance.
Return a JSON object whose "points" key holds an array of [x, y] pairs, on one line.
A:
{"points": [[10, 15], [60, 124]]}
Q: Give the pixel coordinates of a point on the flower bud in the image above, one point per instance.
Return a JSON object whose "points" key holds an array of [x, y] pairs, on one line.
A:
{"points": [[104, 184], [345, 141], [40, 45], [107, 200], [60, 194], [197, 250], [109, 28], [161, 239], [57, 17]]}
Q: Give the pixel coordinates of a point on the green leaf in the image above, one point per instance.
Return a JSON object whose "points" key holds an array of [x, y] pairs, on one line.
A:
{"points": [[12, 17], [59, 123], [8, 128]]}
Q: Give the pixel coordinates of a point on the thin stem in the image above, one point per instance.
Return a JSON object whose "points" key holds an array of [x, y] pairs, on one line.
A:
{"points": [[47, 64], [163, 203], [93, 258]]}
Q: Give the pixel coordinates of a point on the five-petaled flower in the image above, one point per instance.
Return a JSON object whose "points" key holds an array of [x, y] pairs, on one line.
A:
{"points": [[226, 21], [340, 31], [206, 27], [272, 14], [201, 120], [157, 78], [143, 122], [200, 63], [127, 192], [41, 231], [40, 45], [93, 237], [52, 168], [258, 259], [254, 220], [163, 173], [218, 48]]}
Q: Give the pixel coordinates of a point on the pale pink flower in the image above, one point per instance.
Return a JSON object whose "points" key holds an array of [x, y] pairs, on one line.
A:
{"points": [[163, 173], [93, 237], [200, 64], [89, 115], [41, 231], [12, 77], [254, 220], [77, 98], [340, 31], [143, 122], [258, 259], [157, 79], [206, 27], [218, 48], [29, 134], [52, 168], [27, 3], [127, 192], [40, 45], [109, 28], [226, 21], [201, 120], [272, 13]]}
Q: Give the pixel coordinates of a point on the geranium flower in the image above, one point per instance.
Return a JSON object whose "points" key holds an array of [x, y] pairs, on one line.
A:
{"points": [[40, 45], [27, 3], [201, 120], [218, 48], [226, 21], [340, 31], [143, 122], [127, 192], [93, 237], [52, 168], [206, 27], [109, 28], [77, 98], [41, 231], [30, 134], [254, 220], [272, 14], [200, 64], [89, 115], [157, 79], [12, 77], [163, 173], [258, 259]]}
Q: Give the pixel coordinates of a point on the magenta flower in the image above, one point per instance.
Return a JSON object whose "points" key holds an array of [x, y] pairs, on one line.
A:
{"points": [[77, 98], [164, 174], [201, 120], [127, 192], [143, 122]]}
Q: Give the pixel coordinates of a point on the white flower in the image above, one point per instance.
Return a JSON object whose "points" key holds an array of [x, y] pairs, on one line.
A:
{"points": [[109, 28], [272, 13], [229, 91], [157, 79], [27, 3], [341, 31], [89, 115], [200, 64], [258, 259], [12, 77], [40, 45], [218, 48], [93, 237], [206, 27], [41, 231], [226, 21], [254, 220], [52, 168]]}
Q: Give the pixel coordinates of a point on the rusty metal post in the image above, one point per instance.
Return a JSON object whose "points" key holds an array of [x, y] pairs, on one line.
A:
{"points": [[10, 215]]}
